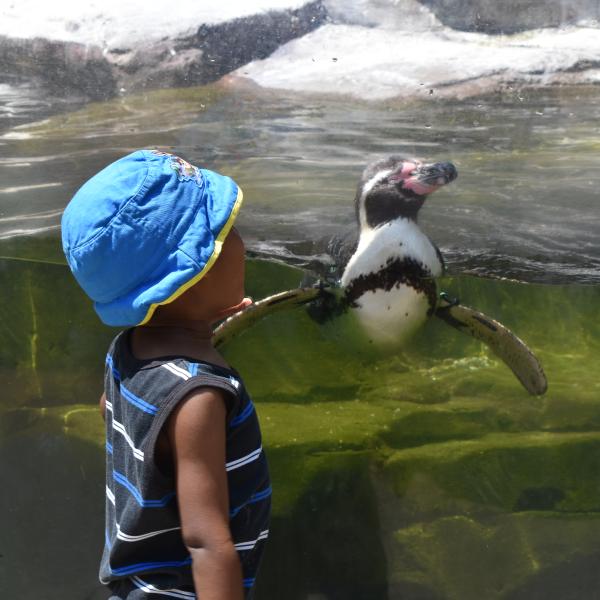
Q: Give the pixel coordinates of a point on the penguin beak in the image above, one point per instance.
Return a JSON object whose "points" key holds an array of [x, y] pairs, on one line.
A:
{"points": [[425, 179], [435, 175]]}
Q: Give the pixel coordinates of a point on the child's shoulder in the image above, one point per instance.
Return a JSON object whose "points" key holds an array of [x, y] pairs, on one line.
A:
{"points": [[170, 377], [181, 365]]}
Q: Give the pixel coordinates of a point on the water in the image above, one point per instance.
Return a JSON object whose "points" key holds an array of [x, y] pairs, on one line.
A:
{"points": [[524, 205], [427, 474]]}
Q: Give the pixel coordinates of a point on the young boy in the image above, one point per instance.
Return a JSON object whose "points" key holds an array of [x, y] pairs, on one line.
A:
{"points": [[150, 240]]}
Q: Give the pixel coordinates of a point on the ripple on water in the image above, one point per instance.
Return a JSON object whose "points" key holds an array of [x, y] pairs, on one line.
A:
{"points": [[524, 205]]}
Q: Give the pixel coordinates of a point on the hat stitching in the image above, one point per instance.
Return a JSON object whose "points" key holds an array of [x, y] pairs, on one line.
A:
{"points": [[142, 187], [175, 245]]}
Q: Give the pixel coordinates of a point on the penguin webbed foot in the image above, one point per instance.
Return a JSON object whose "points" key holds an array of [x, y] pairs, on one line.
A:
{"points": [[449, 300], [326, 306], [322, 277]]}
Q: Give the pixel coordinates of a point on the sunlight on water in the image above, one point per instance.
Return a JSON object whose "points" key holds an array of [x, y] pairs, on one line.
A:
{"points": [[523, 205]]}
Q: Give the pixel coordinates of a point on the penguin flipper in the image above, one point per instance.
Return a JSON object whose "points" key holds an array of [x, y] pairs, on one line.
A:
{"points": [[503, 342], [244, 319]]}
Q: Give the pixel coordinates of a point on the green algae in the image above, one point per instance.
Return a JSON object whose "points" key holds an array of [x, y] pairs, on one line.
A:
{"points": [[328, 541], [82, 422], [497, 558], [429, 473], [502, 471], [54, 340]]}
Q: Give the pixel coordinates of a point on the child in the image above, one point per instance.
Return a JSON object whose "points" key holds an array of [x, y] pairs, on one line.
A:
{"points": [[150, 240]]}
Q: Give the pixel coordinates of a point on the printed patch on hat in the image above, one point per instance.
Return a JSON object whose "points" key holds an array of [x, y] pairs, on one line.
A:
{"points": [[184, 169]]}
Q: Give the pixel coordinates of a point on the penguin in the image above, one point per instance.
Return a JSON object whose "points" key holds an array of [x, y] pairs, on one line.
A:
{"points": [[388, 283]]}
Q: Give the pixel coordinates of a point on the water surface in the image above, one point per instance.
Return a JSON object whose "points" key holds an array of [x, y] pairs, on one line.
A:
{"points": [[524, 206]]}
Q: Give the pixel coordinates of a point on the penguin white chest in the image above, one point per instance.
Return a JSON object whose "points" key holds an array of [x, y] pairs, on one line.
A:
{"points": [[390, 317], [389, 281]]}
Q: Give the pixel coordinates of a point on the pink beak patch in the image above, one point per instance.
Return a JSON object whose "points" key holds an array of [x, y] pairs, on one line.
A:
{"points": [[411, 182]]}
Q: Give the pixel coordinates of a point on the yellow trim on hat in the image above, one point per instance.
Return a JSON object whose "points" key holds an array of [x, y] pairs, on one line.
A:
{"points": [[209, 263]]}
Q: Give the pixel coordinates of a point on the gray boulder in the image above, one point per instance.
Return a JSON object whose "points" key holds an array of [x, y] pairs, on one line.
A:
{"points": [[63, 67], [213, 50], [205, 55], [494, 16]]}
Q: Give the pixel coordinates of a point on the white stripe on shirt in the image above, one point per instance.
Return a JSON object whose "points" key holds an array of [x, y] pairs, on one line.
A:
{"points": [[121, 429], [177, 371], [144, 536], [250, 545], [150, 589], [240, 462]]}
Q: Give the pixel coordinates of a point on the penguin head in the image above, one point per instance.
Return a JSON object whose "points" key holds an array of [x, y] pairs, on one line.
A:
{"points": [[397, 187]]}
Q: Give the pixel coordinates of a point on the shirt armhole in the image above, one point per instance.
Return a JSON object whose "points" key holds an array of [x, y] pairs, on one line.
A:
{"points": [[232, 400]]}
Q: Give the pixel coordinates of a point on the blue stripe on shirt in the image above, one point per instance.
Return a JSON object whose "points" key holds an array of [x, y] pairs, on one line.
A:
{"points": [[111, 365], [121, 479], [254, 498], [150, 565], [138, 402], [243, 415]]}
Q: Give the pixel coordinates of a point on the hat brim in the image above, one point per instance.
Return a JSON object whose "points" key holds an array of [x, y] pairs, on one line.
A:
{"points": [[209, 263]]}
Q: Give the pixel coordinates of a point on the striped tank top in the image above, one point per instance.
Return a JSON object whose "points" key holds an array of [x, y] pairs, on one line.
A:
{"points": [[144, 555]]}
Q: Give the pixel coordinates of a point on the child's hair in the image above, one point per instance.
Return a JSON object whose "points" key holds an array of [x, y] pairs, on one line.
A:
{"points": [[144, 230]]}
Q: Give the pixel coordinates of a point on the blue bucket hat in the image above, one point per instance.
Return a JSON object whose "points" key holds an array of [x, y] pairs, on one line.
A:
{"points": [[144, 230]]}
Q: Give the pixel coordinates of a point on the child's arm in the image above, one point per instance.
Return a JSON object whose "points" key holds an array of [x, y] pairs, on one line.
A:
{"points": [[196, 432], [102, 403]]}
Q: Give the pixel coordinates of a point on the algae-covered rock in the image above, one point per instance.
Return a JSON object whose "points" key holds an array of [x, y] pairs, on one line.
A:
{"points": [[500, 472], [429, 474], [508, 557], [325, 543]]}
